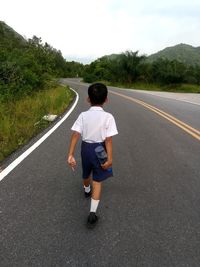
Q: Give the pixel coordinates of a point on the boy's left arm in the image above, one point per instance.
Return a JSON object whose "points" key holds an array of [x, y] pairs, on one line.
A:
{"points": [[108, 144]]}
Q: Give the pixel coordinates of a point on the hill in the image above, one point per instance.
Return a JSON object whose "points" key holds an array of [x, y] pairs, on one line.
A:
{"points": [[10, 37], [28, 66], [184, 53]]}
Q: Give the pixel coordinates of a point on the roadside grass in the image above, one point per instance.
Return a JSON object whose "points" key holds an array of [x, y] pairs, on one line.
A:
{"points": [[183, 88], [178, 88], [22, 120]]}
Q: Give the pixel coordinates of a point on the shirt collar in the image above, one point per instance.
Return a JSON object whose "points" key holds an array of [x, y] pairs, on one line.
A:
{"points": [[96, 108]]}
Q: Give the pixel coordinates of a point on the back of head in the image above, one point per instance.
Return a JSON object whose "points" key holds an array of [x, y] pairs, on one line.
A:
{"points": [[97, 93]]}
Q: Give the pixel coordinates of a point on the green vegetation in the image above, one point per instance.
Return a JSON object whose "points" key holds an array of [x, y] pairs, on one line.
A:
{"points": [[178, 88], [134, 71], [27, 66], [22, 119], [27, 91]]}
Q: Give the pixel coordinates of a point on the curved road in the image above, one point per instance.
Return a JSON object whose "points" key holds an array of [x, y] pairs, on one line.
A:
{"points": [[149, 213]]}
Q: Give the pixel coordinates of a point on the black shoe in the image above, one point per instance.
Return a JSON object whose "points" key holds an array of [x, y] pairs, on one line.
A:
{"points": [[92, 220], [88, 194]]}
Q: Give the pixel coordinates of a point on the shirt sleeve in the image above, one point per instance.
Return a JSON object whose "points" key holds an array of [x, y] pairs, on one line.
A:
{"points": [[111, 127], [78, 124]]}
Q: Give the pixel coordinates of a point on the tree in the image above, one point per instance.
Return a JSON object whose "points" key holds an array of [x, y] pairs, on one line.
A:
{"points": [[168, 72], [129, 65]]}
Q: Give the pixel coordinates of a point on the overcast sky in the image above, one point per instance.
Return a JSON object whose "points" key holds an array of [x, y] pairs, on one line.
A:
{"points": [[89, 29]]}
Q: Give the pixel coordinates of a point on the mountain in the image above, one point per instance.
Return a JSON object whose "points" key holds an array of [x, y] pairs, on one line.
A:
{"points": [[184, 53]]}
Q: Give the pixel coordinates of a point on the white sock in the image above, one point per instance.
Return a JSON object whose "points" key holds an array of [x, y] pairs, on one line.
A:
{"points": [[94, 205], [87, 188]]}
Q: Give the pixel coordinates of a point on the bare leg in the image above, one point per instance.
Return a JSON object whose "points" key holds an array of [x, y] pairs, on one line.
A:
{"points": [[96, 190]]}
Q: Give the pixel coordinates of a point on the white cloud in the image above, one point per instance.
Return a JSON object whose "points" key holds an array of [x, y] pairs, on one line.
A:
{"points": [[93, 28]]}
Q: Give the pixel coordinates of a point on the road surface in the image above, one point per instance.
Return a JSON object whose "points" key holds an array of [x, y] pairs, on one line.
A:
{"points": [[149, 212]]}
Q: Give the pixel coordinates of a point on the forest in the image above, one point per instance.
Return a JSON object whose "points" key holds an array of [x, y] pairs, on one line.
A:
{"points": [[129, 67], [27, 66]]}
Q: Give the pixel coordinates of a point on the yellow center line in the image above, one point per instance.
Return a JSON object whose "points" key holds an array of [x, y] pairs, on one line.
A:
{"points": [[187, 128]]}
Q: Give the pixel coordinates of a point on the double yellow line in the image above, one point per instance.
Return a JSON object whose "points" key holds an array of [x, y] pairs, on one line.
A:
{"points": [[187, 128]]}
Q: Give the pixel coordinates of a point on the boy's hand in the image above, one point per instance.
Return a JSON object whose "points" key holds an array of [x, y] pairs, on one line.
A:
{"points": [[72, 162], [106, 165]]}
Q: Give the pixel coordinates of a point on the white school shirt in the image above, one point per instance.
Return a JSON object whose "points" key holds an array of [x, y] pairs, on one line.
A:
{"points": [[95, 125]]}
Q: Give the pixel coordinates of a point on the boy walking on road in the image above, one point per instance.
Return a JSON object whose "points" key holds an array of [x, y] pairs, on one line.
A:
{"points": [[96, 127]]}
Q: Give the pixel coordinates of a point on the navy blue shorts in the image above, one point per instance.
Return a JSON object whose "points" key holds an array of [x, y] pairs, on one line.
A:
{"points": [[90, 163]]}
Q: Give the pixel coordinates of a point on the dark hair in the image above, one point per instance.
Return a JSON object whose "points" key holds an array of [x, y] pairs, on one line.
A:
{"points": [[97, 93]]}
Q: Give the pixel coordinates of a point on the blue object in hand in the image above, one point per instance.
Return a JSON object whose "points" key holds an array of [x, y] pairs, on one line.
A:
{"points": [[101, 154]]}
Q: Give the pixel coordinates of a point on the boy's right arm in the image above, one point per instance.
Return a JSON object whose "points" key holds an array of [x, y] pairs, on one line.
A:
{"points": [[74, 139]]}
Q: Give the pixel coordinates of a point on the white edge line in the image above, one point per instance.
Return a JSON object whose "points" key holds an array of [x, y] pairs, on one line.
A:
{"points": [[18, 160], [162, 96], [187, 101]]}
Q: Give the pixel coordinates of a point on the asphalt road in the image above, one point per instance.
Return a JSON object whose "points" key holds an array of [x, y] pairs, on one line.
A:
{"points": [[149, 212]]}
